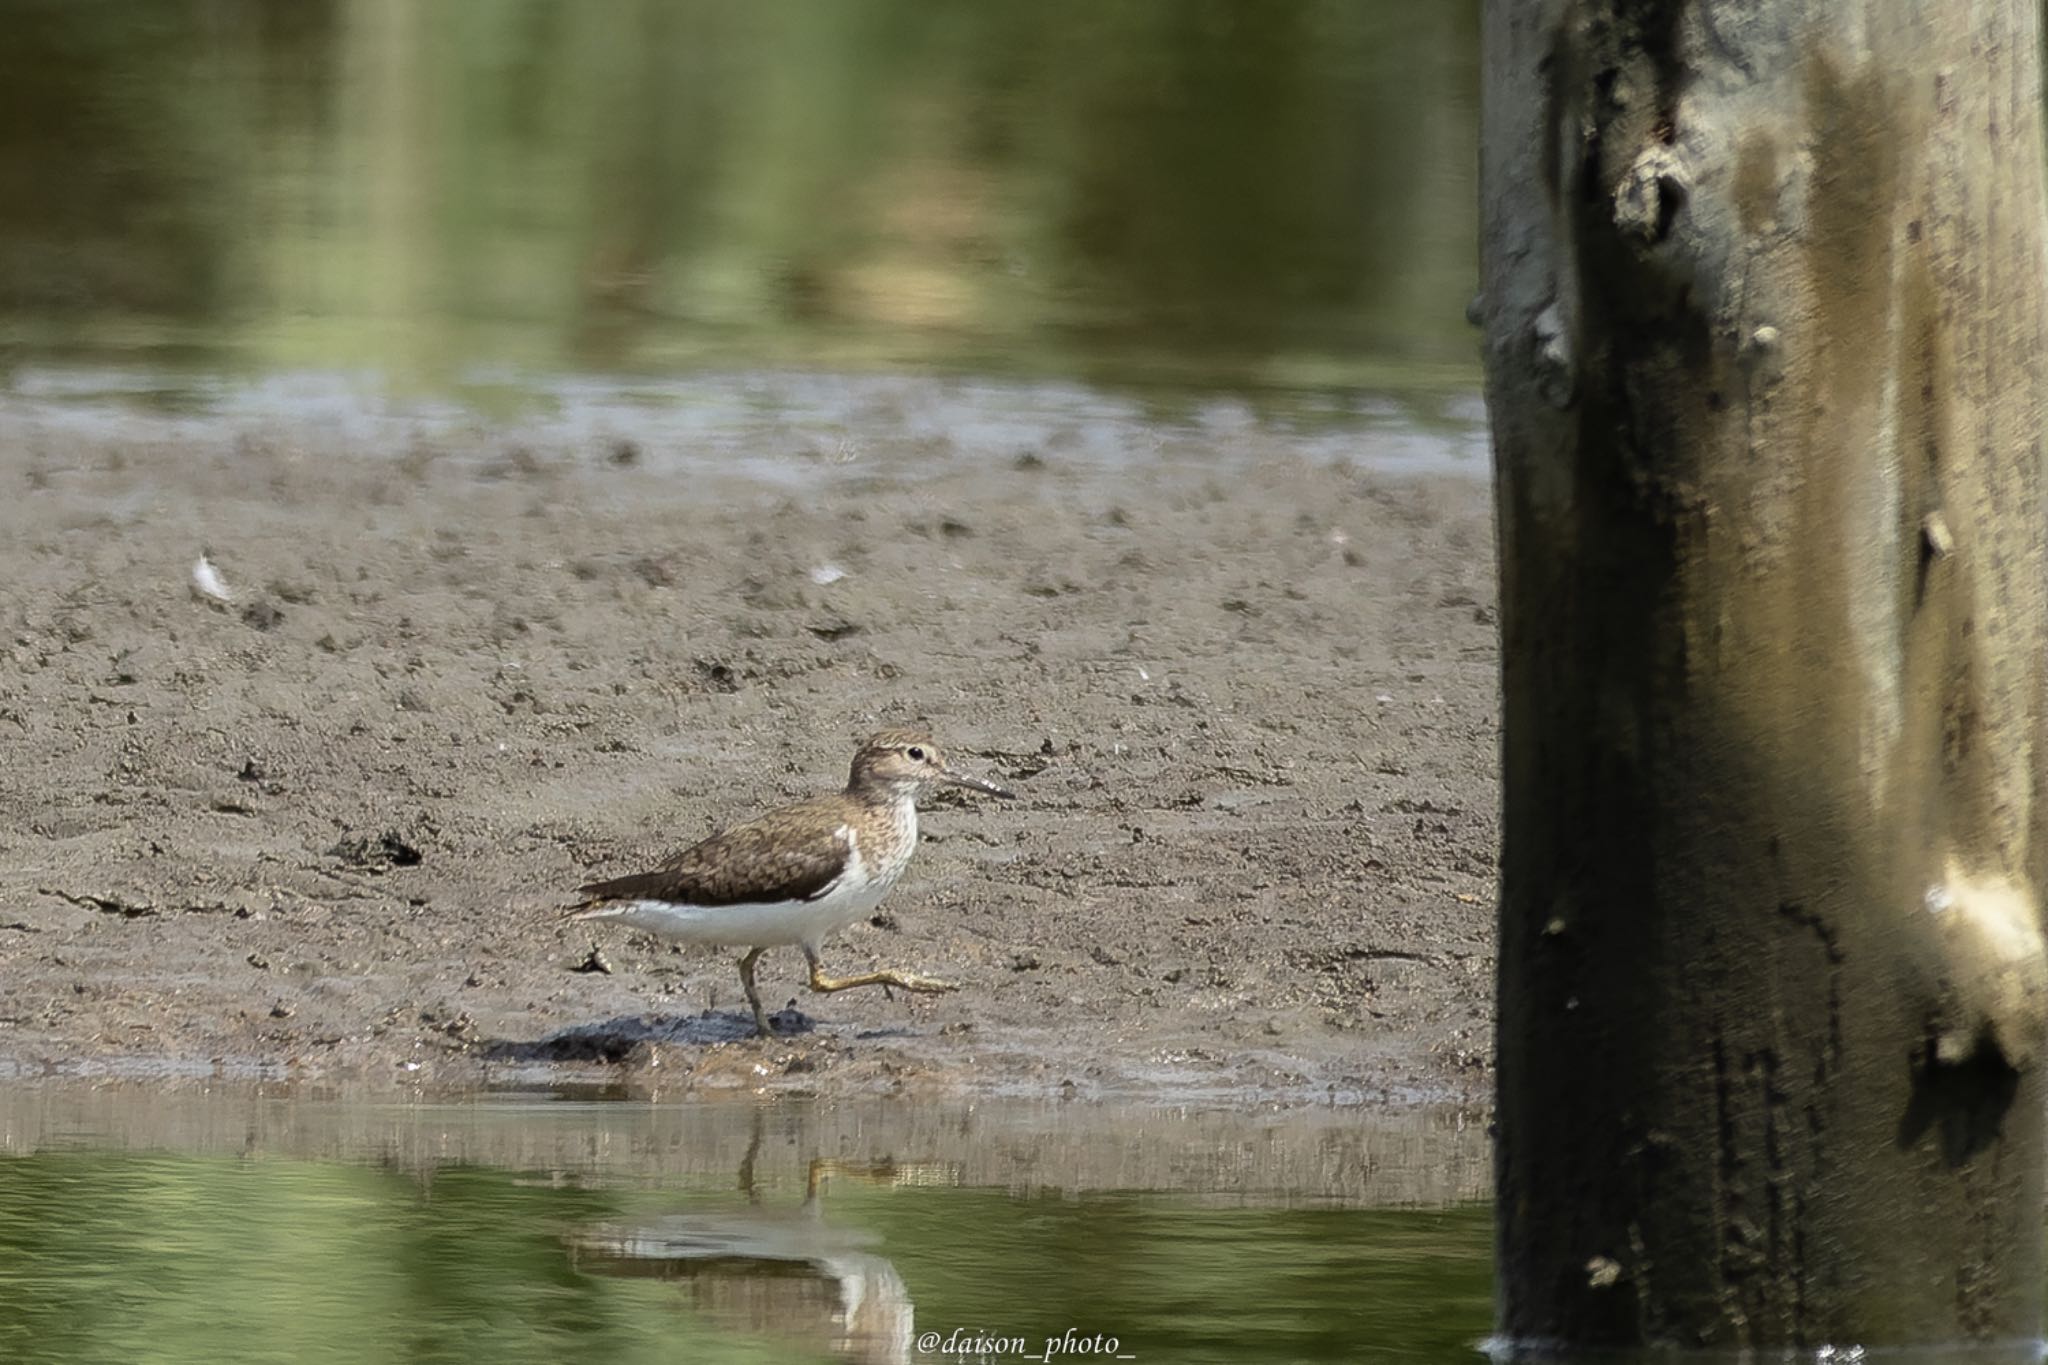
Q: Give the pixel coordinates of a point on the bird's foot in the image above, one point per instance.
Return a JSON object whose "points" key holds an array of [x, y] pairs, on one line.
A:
{"points": [[929, 985]]}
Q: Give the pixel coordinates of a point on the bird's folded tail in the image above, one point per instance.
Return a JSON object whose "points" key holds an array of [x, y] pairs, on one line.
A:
{"points": [[607, 898]]}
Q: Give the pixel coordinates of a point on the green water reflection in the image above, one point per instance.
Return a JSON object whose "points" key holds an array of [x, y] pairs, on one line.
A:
{"points": [[1107, 189], [204, 1257]]}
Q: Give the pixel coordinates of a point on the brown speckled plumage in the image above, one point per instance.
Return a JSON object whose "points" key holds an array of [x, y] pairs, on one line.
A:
{"points": [[790, 853]]}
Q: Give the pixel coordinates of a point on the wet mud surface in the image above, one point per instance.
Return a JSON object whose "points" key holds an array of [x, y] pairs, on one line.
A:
{"points": [[1247, 701]]}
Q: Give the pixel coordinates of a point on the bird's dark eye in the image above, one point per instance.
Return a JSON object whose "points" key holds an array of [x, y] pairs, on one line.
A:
{"points": [[916, 754]]}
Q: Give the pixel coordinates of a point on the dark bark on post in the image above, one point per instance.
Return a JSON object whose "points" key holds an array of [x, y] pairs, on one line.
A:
{"points": [[1763, 294]]}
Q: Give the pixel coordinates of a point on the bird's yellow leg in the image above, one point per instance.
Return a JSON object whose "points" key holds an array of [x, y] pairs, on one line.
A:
{"points": [[908, 981]]}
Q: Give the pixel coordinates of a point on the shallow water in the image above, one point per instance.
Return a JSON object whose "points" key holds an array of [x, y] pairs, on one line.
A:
{"points": [[704, 228], [791, 428], [238, 1225]]}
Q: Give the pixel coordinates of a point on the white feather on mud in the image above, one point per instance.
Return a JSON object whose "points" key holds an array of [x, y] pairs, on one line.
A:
{"points": [[207, 582]]}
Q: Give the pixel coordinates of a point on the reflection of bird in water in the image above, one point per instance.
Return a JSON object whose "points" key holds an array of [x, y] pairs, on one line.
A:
{"points": [[784, 1274]]}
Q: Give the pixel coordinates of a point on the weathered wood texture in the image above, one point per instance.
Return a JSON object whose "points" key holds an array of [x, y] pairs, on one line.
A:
{"points": [[1763, 289]]}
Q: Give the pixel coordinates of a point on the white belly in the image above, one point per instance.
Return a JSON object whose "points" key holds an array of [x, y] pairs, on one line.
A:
{"points": [[765, 925]]}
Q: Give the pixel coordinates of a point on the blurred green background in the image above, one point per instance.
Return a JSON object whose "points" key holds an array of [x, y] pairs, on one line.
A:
{"points": [[1252, 196]]}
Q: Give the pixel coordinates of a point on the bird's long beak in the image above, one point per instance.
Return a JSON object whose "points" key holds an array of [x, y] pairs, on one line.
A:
{"points": [[953, 778]]}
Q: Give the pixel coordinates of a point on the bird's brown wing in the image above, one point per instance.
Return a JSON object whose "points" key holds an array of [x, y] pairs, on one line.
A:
{"points": [[792, 854]]}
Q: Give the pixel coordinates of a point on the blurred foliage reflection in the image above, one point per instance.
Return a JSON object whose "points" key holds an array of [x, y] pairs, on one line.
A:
{"points": [[1195, 191], [109, 1256]]}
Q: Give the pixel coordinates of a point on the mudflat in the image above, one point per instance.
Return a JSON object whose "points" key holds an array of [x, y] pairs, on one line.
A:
{"points": [[1247, 700]]}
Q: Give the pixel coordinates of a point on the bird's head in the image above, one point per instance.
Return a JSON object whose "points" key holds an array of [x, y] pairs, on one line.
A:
{"points": [[908, 763]]}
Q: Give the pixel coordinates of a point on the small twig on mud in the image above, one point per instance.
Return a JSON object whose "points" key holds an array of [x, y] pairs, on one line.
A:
{"points": [[108, 905]]}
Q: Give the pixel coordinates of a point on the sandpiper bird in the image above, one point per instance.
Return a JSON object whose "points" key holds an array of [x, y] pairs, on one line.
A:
{"points": [[798, 872]]}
